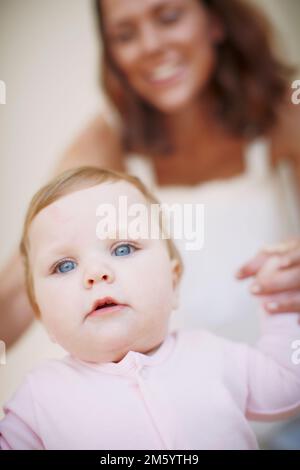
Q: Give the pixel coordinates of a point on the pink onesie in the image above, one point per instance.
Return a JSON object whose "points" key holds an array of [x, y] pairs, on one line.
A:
{"points": [[195, 392]]}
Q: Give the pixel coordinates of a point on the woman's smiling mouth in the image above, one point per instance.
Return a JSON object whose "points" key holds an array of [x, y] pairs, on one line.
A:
{"points": [[166, 74]]}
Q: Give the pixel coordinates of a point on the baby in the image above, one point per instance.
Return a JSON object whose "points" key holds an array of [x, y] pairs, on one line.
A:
{"points": [[128, 382]]}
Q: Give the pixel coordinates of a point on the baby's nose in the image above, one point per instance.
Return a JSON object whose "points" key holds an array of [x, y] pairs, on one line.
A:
{"points": [[97, 274]]}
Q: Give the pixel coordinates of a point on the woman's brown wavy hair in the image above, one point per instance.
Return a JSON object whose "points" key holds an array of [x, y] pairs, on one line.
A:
{"points": [[247, 86]]}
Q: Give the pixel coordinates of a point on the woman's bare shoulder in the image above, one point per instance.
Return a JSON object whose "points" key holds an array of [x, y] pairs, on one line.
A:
{"points": [[99, 144]]}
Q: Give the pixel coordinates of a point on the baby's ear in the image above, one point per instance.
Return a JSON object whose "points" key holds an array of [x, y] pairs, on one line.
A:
{"points": [[47, 329], [50, 334], [176, 269], [53, 339]]}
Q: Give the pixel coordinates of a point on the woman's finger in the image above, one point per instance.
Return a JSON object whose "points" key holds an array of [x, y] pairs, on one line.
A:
{"points": [[277, 281], [288, 250], [283, 303], [252, 267], [290, 259], [283, 247]]}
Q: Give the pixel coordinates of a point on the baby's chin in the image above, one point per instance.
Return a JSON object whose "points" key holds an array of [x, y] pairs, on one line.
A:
{"points": [[97, 358], [100, 349], [116, 350], [98, 342]]}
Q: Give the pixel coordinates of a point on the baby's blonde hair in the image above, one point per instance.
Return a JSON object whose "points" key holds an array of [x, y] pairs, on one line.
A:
{"points": [[66, 183]]}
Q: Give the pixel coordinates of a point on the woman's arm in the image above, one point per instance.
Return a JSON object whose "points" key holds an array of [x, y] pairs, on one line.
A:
{"points": [[98, 145], [15, 312], [282, 286]]}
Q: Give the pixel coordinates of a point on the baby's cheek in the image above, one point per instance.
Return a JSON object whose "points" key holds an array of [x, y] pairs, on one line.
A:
{"points": [[42, 295], [52, 301], [46, 296], [160, 291]]}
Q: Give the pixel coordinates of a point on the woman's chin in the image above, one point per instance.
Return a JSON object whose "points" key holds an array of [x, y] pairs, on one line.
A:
{"points": [[174, 103], [172, 107]]}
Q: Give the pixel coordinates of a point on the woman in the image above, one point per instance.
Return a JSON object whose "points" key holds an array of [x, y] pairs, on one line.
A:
{"points": [[195, 85]]}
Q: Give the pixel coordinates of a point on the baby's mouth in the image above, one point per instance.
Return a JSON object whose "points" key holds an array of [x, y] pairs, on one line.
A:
{"points": [[104, 306]]}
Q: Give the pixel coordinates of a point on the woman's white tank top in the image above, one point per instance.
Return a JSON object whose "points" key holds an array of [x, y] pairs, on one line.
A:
{"points": [[241, 215]]}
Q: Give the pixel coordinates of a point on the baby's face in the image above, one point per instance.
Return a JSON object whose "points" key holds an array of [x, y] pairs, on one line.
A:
{"points": [[73, 268]]}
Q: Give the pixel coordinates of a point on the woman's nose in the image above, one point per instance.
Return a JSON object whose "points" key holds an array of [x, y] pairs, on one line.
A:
{"points": [[150, 39], [95, 274]]}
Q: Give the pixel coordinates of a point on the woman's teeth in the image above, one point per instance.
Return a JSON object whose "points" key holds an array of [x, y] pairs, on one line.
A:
{"points": [[164, 72]]}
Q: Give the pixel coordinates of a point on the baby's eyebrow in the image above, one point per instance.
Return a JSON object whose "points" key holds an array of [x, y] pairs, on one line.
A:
{"points": [[113, 233], [53, 254], [58, 248], [115, 236]]}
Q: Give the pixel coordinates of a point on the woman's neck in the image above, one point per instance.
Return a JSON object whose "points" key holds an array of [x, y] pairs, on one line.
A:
{"points": [[192, 125]]}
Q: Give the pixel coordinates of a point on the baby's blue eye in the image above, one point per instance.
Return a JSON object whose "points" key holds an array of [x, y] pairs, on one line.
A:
{"points": [[123, 250], [65, 266]]}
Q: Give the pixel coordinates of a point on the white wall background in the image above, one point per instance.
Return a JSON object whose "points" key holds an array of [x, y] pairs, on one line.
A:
{"points": [[48, 60]]}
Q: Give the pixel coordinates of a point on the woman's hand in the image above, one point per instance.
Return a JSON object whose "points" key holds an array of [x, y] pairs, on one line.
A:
{"points": [[280, 289]]}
